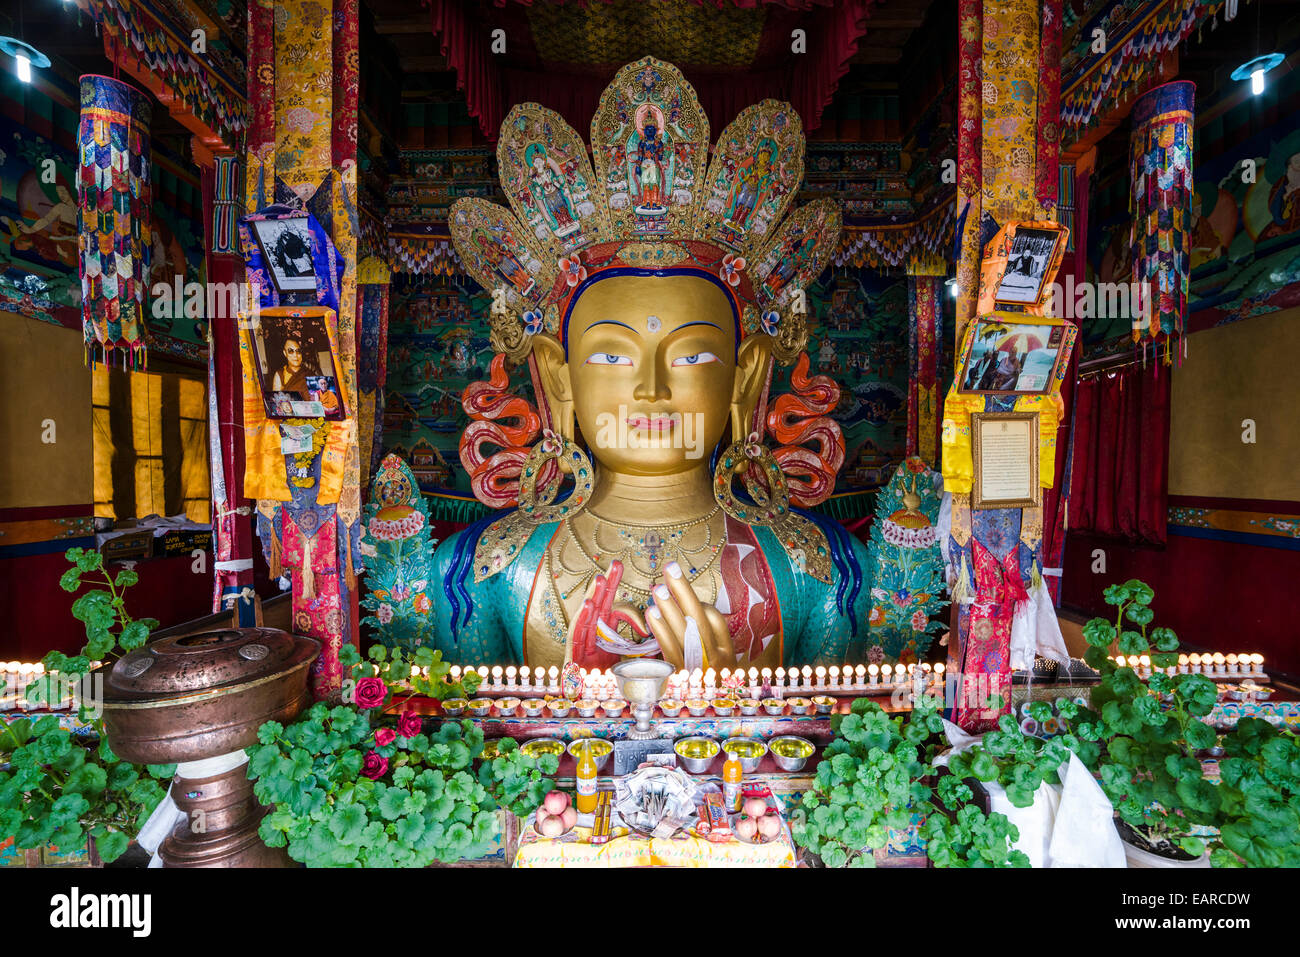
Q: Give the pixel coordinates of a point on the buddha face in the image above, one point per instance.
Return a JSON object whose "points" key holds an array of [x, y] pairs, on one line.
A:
{"points": [[651, 371]]}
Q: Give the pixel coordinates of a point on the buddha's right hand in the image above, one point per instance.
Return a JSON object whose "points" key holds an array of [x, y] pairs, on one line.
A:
{"points": [[677, 616], [599, 607]]}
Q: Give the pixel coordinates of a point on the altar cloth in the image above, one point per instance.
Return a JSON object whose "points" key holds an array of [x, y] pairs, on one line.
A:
{"points": [[627, 849]]}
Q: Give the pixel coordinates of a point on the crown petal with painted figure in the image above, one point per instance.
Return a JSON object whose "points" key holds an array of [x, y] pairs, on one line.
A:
{"points": [[653, 198]]}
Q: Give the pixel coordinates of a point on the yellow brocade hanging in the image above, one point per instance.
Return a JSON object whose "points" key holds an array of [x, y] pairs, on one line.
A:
{"points": [[958, 464]]}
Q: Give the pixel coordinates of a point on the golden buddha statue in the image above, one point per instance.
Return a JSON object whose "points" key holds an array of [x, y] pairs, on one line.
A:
{"points": [[649, 321]]}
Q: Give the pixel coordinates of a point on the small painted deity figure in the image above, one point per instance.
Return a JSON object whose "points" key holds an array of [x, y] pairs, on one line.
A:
{"points": [[755, 176], [649, 166], [547, 184]]}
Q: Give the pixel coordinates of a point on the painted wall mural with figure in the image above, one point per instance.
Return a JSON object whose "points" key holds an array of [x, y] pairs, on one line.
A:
{"points": [[651, 347]]}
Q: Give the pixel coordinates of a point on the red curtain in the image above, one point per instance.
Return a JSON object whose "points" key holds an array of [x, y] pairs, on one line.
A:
{"points": [[834, 29], [1119, 485]]}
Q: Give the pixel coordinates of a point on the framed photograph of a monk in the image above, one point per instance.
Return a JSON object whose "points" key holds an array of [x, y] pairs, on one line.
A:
{"points": [[296, 364], [1014, 358], [286, 249]]}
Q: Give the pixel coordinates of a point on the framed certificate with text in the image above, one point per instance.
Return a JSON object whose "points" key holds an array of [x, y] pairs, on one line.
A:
{"points": [[1004, 451]]}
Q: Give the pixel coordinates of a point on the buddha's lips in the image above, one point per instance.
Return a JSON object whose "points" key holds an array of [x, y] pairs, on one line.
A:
{"points": [[659, 423]]}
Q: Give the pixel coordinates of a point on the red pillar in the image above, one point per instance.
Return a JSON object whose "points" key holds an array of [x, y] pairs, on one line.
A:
{"points": [[232, 521]]}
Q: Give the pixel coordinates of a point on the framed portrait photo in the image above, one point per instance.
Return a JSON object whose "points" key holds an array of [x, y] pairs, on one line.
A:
{"points": [[1012, 357], [1004, 450], [286, 246], [1033, 256], [297, 364]]}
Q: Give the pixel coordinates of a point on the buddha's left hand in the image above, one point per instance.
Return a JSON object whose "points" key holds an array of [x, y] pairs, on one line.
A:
{"points": [[677, 616]]}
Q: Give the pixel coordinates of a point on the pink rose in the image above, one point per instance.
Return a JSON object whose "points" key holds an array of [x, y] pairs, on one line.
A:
{"points": [[408, 724], [384, 736], [370, 692], [375, 766]]}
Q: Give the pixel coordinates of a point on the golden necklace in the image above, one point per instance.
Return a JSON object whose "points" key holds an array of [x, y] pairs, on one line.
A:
{"points": [[644, 550]]}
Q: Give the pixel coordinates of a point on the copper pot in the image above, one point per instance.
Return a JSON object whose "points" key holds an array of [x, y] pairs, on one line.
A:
{"points": [[220, 826], [200, 696]]}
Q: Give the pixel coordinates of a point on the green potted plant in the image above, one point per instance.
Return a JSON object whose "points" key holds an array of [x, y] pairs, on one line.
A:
{"points": [[63, 789], [875, 775], [349, 786], [1151, 733], [1259, 807]]}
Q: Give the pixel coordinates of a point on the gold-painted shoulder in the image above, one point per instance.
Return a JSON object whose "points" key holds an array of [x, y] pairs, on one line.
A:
{"points": [[806, 545]]}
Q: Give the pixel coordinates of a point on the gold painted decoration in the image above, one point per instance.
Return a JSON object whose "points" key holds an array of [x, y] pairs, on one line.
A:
{"points": [[549, 181], [500, 544], [496, 251], [796, 253], [756, 169], [650, 141], [803, 541]]}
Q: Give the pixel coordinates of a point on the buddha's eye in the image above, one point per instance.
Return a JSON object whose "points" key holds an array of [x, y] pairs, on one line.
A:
{"points": [[608, 359], [698, 359]]}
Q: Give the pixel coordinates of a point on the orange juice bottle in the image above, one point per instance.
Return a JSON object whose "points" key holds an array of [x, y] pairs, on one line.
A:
{"points": [[731, 776], [586, 775]]}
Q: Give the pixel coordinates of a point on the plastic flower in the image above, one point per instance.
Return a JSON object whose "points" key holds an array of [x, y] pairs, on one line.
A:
{"points": [[385, 736], [573, 269], [731, 267], [408, 724], [919, 620], [375, 766], [384, 613], [370, 692]]}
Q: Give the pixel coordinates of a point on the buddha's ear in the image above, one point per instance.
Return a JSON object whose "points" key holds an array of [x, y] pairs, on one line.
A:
{"points": [[553, 370], [753, 363]]}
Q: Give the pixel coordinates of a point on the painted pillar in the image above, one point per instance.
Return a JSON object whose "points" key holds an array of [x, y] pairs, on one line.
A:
{"points": [[1008, 144], [302, 91], [925, 319]]}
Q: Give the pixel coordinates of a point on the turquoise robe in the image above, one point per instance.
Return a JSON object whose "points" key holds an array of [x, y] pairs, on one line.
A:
{"points": [[823, 624]]}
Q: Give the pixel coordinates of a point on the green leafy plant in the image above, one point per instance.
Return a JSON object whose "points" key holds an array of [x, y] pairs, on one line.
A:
{"points": [[875, 775], [347, 789], [1151, 731], [394, 667], [61, 788], [1021, 763], [1259, 809]]}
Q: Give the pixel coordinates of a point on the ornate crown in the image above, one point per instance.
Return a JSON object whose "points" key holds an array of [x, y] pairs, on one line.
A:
{"points": [[648, 203]]}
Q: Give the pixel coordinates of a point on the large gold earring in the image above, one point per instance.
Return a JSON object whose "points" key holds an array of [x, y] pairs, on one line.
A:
{"points": [[502, 541], [537, 506], [803, 541]]}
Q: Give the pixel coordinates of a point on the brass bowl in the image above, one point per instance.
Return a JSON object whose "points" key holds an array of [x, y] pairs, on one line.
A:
{"points": [[749, 706], [803, 750], [199, 696], [670, 707], [749, 750], [480, 707], [533, 707], [700, 763], [560, 707], [539, 746], [774, 705], [454, 707], [824, 703], [799, 705]]}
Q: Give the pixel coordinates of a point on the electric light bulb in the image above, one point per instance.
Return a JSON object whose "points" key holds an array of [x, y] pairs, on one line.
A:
{"points": [[939, 669], [25, 68], [1119, 661], [1256, 80]]}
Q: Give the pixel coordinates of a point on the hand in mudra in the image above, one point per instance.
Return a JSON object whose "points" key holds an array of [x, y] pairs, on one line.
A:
{"points": [[691, 633]]}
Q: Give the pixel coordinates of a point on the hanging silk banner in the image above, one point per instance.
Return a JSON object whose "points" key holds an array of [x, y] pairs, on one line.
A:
{"points": [[1160, 158], [115, 200]]}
